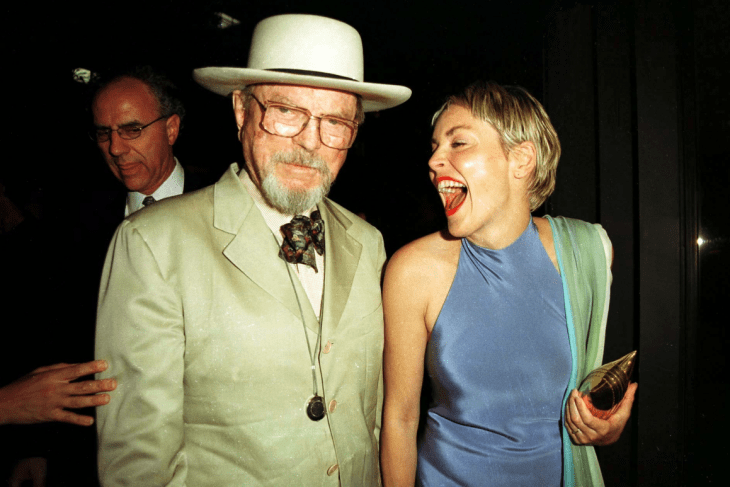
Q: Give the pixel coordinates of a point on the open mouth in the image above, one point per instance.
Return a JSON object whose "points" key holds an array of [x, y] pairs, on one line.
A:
{"points": [[453, 192]]}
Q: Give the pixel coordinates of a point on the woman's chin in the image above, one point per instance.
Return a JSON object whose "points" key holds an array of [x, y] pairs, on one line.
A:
{"points": [[456, 228]]}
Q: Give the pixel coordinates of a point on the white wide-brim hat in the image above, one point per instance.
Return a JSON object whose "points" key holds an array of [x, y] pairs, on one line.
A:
{"points": [[306, 50]]}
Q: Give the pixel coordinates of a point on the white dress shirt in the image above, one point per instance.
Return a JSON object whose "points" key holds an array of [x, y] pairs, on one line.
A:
{"points": [[172, 186], [312, 281]]}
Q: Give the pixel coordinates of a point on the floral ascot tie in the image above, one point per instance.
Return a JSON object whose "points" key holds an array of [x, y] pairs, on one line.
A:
{"points": [[302, 237]]}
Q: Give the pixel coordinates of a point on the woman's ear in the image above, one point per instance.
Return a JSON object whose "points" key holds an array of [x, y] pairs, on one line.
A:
{"points": [[523, 159]]}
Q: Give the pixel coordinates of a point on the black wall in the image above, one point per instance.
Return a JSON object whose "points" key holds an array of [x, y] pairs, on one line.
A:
{"points": [[636, 92]]}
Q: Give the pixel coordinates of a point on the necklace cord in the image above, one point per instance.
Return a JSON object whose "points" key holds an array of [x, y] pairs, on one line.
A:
{"points": [[312, 357]]}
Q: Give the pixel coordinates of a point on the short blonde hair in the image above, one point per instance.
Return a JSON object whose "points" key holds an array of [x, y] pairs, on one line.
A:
{"points": [[518, 117]]}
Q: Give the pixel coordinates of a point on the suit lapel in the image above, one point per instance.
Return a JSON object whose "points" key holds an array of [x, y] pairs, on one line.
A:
{"points": [[253, 249], [342, 256]]}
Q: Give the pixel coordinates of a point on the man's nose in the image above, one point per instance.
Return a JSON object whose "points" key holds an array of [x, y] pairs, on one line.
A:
{"points": [[309, 137], [117, 145]]}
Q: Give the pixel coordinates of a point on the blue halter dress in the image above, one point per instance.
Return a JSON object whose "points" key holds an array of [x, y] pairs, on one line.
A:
{"points": [[499, 364]]}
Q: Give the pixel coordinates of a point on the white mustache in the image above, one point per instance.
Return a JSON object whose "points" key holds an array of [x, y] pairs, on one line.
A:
{"points": [[300, 159]]}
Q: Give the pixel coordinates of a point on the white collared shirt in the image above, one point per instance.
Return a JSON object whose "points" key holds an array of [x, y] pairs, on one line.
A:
{"points": [[312, 282], [172, 186]]}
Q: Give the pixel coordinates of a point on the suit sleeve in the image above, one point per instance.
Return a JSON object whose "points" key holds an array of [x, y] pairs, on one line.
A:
{"points": [[380, 262], [140, 333]]}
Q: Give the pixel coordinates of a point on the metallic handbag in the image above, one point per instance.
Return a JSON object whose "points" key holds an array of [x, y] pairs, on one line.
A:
{"points": [[604, 387]]}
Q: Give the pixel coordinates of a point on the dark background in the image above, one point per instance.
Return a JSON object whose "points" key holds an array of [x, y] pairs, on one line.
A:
{"points": [[636, 89]]}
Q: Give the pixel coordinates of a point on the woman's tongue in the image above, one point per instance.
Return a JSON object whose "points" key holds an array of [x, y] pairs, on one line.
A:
{"points": [[453, 200]]}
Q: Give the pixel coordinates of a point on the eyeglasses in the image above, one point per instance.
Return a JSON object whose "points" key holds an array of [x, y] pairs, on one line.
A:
{"points": [[288, 121], [127, 132]]}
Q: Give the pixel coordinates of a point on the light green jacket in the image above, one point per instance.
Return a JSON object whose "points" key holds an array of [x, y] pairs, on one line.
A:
{"points": [[584, 256], [200, 324]]}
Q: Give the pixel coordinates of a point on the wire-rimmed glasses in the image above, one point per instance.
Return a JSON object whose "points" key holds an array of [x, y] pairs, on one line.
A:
{"points": [[127, 132]]}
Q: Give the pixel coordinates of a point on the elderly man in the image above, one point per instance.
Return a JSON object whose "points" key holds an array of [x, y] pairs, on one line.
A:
{"points": [[244, 322]]}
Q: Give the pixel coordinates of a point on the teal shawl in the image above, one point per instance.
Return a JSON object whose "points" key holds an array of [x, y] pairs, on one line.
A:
{"points": [[584, 258]]}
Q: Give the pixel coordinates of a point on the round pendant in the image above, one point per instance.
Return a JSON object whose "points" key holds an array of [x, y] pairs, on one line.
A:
{"points": [[315, 408]]}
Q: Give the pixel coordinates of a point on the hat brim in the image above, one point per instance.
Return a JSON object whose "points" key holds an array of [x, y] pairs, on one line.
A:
{"points": [[375, 96]]}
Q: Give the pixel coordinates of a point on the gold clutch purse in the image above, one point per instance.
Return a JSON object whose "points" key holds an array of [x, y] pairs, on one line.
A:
{"points": [[604, 388]]}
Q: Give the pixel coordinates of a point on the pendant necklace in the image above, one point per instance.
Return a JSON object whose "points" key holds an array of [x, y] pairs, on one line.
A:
{"points": [[315, 405]]}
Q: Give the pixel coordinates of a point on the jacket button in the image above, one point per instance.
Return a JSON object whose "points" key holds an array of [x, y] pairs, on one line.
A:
{"points": [[333, 405], [332, 469]]}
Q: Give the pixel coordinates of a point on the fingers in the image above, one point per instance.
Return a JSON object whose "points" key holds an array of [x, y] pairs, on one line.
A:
{"points": [[573, 421], [575, 436], [64, 416], [92, 386], [583, 427], [628, 401], [44, 394], [623, 412], [77, 402], [570, 423], [86, 394], [586, 429], [574, 412], [72, 372], [47, 368]]}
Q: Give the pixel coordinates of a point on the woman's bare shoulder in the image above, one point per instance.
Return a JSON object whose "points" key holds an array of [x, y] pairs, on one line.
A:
{"points": [[418, 278], [435, 250]]}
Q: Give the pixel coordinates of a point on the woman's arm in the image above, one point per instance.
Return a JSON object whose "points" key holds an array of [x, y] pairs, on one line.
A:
{"points": [[405, 300]]}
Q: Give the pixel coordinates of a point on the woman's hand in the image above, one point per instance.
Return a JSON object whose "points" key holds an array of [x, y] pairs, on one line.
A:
{"points": [[586, 429]]}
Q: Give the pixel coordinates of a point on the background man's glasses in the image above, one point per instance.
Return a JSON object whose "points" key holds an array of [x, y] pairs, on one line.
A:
{"points": [[289, 121], [127, 132]]}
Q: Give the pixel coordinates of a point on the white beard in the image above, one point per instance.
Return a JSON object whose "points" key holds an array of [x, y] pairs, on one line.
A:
{"points": [[294, 201]]}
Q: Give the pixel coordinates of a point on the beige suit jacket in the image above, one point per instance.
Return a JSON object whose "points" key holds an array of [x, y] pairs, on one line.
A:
{"points": [[200, 324]]}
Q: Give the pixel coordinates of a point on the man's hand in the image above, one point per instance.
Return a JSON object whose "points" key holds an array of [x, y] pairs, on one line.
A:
{"points": [[586, 429], [46, 393]]}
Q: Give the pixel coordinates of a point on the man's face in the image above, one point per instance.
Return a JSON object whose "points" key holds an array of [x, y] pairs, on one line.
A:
{"points": [[294, 173], [144, 163]]}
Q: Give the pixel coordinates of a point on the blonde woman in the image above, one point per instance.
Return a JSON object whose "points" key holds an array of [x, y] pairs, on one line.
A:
{"points": [[507, 312]]}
